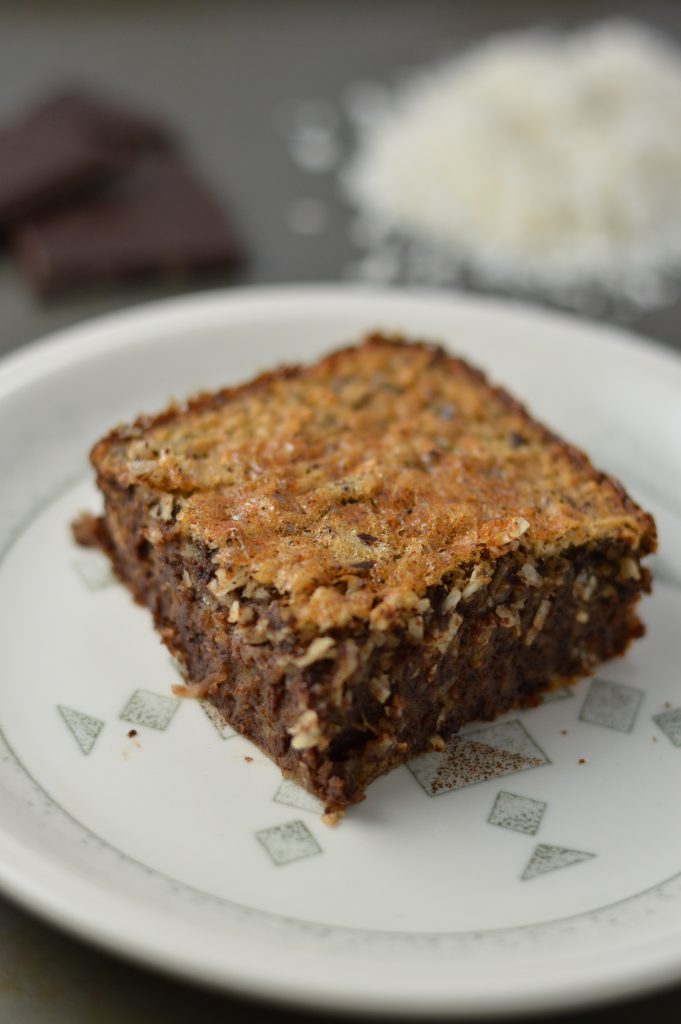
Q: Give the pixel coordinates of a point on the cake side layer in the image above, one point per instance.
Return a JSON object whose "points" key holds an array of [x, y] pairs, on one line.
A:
{"points": [[336, 712]]}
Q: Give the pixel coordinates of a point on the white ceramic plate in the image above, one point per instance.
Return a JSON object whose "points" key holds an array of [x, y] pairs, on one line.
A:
{"points": [[553, 881]]}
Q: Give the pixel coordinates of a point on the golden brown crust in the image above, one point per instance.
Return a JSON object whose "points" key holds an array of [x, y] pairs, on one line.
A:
{"points": [[350, 487]]}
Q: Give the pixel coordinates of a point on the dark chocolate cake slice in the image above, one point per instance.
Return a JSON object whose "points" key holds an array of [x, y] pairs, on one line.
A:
{"points": [[353, 559]]}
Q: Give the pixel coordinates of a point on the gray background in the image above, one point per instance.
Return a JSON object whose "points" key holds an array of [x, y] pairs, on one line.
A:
{"points": [[219, 74]]}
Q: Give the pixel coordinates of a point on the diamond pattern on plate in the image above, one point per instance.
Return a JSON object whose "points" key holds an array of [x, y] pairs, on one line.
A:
{"points": [[670, 724], [82, 727], [547, 858], [478, 755], [150, 709], [94, 570], [612, 705], [219, 721], [518, 813], [295, 796], [289, 842]]}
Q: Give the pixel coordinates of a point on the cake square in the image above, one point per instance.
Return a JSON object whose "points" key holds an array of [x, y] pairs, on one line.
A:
{"points": [[353, 559]]}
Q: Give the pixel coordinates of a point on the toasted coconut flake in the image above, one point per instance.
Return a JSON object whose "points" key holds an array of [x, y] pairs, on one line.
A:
{"points": [[415, 628], [478, 578], [380, 688], [584, 586], [353, 584], [538, 621], [629, 569], [507, 617], [306, 732], [163, 509], [541, 614], [320, 648], [347, 662], [515, 529], [395, 603], [443, 639], [451, 600], [222, 584], [141, 466], [246, 615], [529, 575]]}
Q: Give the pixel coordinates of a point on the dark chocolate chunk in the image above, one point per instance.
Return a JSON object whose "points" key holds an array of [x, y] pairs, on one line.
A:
{"points": [[67, 145], [155, 219]]}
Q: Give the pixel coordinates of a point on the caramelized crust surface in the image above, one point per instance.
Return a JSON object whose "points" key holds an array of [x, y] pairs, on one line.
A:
{"points": [[348, 488]]}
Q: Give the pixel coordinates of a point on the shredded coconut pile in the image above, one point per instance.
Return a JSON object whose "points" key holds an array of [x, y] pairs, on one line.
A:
{"points": [[538, 160]]}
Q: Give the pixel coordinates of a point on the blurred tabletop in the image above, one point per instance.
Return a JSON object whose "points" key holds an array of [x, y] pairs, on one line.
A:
{"points": [[225, 76]]}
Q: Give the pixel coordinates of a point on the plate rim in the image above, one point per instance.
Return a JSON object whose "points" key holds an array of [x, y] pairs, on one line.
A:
{"points": [[22, 363]]}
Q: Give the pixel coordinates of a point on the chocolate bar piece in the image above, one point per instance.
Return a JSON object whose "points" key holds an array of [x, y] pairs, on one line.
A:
{"points": [[66, 145], [156, 218], [354, 559]]}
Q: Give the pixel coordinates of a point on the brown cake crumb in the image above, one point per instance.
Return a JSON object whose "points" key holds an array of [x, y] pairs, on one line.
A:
{"points": [[89, 531]]}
